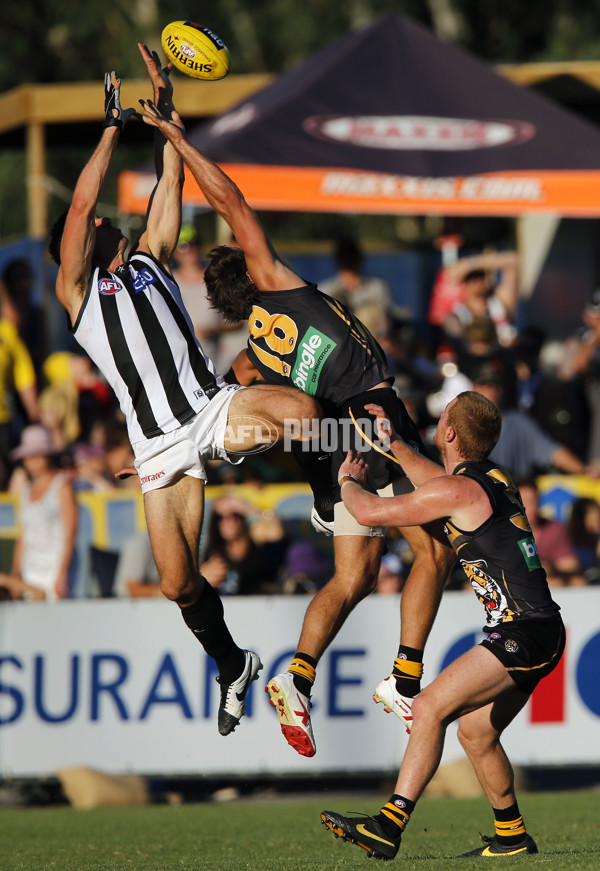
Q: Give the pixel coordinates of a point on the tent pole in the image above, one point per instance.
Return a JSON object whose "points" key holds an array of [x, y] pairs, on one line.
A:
{"points": [[535, 234]]}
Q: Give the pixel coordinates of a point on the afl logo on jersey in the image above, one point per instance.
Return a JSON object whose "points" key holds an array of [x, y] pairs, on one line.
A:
{"points": [[108, 286]]}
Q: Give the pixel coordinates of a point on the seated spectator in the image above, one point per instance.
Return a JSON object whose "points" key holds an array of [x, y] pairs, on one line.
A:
{"points": [[18, 306], [554, 546], [136, 574], [18, 386], [221, 341], [350, 285], [234, 562], [76, 397], [391, 574], [523, 447], [549, 393], [90, 468], [48, 517], [581, 359], [306, 568], [584, 529]]}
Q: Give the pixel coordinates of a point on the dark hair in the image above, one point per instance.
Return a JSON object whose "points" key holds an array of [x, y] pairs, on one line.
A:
{"points": [[13, 269], [474, 275], [56, 234], [215, 543], [348, 254], [229, 289]]}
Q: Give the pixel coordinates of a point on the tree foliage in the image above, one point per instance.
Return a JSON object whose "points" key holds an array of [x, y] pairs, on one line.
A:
{"points": [[73, 40]]}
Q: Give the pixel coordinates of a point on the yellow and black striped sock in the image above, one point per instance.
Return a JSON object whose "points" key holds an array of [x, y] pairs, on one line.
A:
{"points": [[303, 668], [510, 828], [394, 815], [408, 670]]}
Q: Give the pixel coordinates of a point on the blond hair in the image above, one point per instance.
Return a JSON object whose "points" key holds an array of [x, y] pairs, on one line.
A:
{"points": [[477, 422]]}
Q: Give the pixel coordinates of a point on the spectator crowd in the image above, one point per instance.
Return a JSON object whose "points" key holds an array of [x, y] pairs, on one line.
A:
{"points": [[62, 433]]}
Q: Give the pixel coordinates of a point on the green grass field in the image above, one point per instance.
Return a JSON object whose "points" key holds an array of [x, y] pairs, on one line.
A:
{"points": [[287, 834]]}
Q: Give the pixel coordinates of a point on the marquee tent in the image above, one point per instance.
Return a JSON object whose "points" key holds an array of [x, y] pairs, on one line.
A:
{"points": [[391, 120]]}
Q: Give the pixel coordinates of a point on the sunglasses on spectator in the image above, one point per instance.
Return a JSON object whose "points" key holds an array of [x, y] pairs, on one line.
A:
{"points": [[228, 515]]}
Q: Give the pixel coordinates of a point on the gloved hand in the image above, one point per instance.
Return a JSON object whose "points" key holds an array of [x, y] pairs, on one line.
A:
{"points": [[112, 103]]}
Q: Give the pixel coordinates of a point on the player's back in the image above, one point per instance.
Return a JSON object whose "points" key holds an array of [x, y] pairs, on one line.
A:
{"points": [[304, 338]]}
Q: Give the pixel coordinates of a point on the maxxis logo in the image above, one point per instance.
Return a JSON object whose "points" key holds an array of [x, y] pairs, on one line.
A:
{"points": [[419, 132]]}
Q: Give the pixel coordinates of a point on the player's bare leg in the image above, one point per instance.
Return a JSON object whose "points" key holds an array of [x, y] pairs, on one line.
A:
{"points": [[474, 679], [479, 734], [357, 560], [174, 520], [265, 413], [433, 560]]}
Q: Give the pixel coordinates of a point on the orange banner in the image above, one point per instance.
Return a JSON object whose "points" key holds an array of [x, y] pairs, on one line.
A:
{"points": [[279, 188]]}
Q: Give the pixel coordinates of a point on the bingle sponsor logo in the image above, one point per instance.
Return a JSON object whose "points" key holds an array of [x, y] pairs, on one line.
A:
{"points": [[314, 349]]}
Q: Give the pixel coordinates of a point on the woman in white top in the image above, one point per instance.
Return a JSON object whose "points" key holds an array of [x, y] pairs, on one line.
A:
{"points": [[48, 519]]}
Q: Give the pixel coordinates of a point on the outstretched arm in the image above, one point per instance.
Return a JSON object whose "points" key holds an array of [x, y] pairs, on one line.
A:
{"points": [[163, 220], [417, 467], [79, 234], [266, 270], [429, 502]]}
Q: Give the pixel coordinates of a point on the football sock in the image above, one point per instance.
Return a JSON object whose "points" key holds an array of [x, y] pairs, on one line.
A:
{"points": [[510, 828], [394, 816], [408, 670], [206, 620], [302, 667]]}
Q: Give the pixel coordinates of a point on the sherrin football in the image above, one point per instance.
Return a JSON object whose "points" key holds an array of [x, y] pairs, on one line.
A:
{"points": [[195, 50]]}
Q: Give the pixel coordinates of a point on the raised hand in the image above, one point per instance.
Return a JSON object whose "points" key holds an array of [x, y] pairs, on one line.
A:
{"points": [[115, 116], [160, 78], [355, 466], [171, 128], [385, 431]]}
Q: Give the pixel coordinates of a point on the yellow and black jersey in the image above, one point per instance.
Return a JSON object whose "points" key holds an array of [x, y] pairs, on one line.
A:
{"points": [[500, 557], [303, 337]]}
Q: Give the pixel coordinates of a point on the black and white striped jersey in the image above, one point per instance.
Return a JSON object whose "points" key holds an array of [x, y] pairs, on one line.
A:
{"points": [[135, 328]]}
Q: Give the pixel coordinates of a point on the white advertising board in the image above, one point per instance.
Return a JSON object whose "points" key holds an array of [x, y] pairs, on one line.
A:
{"points": [[123, 686]]}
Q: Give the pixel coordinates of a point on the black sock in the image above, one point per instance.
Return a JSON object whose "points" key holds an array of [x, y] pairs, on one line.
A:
{"points": [[206, 620], [302, 668], [510, 828], [408, 670], [394, 815]]}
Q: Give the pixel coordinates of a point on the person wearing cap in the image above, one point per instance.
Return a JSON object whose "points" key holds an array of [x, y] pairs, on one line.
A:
{"points": [[48, 520]]}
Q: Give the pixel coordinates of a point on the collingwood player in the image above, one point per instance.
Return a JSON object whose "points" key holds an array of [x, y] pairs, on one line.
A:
{"points": [[127, 314], [302, 338]]}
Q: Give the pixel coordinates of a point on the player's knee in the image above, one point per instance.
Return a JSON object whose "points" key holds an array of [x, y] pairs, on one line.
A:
{"points": [[178, 588], [354, 586], [473, 741], [434, 558]]}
